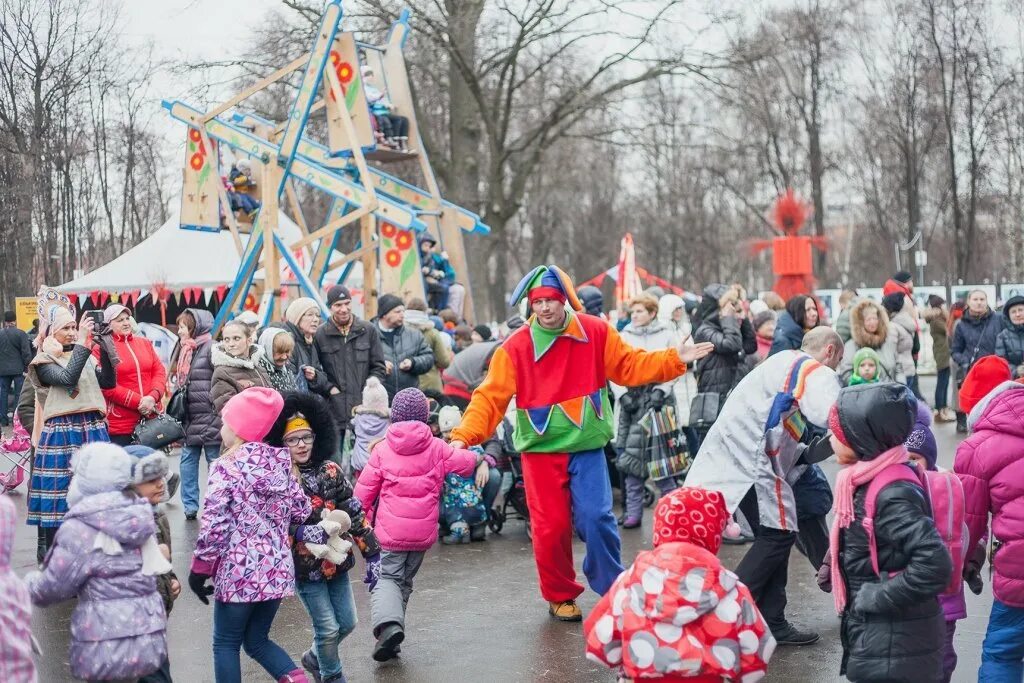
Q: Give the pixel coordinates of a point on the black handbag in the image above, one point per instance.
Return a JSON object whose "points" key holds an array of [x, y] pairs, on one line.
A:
{"points": [[177, 406], [704, 409], [158, 432]]}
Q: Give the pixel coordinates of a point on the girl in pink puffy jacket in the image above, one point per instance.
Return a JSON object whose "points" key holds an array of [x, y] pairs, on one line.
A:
{"points": [[400, 488]]}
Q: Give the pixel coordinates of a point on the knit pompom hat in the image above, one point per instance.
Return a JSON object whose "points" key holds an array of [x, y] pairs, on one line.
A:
{"points": [[410, 405], [922, 440], [448, 418], [375, 397], [988, 373], [99, 468], [691, 515], [251, 413], [147, 464], [299, 308]]}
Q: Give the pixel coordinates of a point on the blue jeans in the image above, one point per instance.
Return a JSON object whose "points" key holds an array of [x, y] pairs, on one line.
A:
{"points": [[5, 385], [1002, 654], [333, 611], [189, 467], [238, 625], [942, 389]]}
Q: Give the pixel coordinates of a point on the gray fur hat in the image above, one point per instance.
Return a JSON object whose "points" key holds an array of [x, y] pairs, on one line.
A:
{"points": [[147, 464]]}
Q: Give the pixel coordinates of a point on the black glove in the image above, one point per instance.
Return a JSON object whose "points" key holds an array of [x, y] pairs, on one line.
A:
{"points": [[972, 577], [197, 582], [657, 399], [819, 450]]}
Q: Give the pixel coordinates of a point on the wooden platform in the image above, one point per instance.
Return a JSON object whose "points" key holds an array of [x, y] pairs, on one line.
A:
{"points": [[387, 155]]}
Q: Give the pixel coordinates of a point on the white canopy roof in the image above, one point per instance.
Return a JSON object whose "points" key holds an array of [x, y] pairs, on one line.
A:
{"points": [[176, 259]]}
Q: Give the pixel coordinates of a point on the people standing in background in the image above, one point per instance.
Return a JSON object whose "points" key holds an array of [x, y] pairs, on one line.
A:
{"points": [[975, 337], [937, 318], [1010, 342], [416, 317], [764, 325], [302, 320], [801, 314], [278, 347], [406, 353], [903, 323], [842, 325], [15, 355], [236, 365]]}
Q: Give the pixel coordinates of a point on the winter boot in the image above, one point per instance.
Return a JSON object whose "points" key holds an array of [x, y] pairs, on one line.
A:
{"points": [[565, 611], [172, 487], [294, 676], [459, 533], [390, 637], [790, 635], [478, 532], [311, 664], [961, 422]]}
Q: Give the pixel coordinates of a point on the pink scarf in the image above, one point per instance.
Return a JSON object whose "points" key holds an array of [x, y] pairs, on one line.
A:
{"points": [[188, 347], [849, 480]]}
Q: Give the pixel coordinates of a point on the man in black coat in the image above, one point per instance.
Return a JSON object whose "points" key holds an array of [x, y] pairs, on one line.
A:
{"points": [[350, 351], [15, 354], [407, 355]]}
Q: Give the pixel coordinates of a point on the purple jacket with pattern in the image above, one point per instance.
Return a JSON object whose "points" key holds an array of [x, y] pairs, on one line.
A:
{"points": [[117, 628], [243, 540], [15, 607]]}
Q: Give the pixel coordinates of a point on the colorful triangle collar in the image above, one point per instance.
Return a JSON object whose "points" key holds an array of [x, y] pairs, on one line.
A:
{"points": [[543, 342]]}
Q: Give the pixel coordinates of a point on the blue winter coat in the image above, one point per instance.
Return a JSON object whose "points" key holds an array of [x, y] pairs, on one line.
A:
{"points": [[788, 334], [976, 338]]}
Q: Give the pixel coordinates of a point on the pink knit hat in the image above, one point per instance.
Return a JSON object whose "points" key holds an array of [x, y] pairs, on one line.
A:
{"points": [[251, 413]]}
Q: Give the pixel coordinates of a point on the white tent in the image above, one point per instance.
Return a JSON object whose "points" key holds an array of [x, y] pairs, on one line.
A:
{"points": [[177, 258]]}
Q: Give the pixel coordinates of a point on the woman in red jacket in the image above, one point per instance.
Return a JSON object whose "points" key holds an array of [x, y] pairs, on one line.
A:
{"points": [[141, 377]]}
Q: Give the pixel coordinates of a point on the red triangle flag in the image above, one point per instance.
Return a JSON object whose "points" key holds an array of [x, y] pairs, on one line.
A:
{"points": [[222, 290]]}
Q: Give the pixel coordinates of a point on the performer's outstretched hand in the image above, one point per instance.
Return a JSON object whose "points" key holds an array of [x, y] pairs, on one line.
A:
{"points": [[457, 444], [688, 354]]}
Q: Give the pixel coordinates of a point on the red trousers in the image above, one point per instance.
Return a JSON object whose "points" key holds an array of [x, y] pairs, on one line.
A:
{"points": [[566, 490]]}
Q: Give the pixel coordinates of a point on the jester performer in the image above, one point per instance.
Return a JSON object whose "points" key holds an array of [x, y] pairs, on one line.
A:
{"points": [[557, 366]]}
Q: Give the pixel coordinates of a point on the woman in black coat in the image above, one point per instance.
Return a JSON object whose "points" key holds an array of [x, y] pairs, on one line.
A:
{"points": [[302, 320], [893, 629], [732, 336]]}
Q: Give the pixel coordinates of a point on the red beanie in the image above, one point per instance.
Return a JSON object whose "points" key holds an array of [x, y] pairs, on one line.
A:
{"points": [[691, 515], [988, 373], [252, 412]]}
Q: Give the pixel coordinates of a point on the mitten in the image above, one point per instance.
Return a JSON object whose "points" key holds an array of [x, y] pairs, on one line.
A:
{"points": [[197, 582], [311, 533], [372, 571]]}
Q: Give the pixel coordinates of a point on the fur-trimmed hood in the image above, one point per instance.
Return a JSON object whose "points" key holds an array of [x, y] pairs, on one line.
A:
{"points": [[318, 413], [218, 356], [861, 336]]}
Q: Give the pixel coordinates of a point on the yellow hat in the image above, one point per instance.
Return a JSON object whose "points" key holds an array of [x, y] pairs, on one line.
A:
{"points": [[295, 423]]}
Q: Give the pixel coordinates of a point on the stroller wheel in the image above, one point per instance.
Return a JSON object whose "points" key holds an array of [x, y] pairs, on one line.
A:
{"points": [[650, 497], [496, 520]]}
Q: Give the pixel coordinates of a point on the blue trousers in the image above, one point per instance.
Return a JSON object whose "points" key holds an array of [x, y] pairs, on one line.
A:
{"points": [[189, 467], [238, 625], [1002, 654], [333, 611], [566, 490]]}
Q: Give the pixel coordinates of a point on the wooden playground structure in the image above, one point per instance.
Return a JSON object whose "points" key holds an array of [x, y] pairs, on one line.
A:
{"points": [[389, 213]]}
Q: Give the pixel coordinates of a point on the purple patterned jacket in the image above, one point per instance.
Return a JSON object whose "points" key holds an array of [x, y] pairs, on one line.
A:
{"points": [[117, 628], [243, 540], [15, 608]]}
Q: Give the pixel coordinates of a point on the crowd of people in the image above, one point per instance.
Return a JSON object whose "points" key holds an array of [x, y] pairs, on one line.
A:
{"points": [[383, 436]]}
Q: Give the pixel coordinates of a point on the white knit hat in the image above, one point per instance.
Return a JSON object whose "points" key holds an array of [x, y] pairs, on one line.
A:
{"points": [[448, 418], [99, 468], [375, 396], [299, 308]]}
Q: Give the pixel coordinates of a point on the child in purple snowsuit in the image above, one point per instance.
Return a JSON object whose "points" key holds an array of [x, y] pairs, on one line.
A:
{"points": [[251, 501], [105, 554]]}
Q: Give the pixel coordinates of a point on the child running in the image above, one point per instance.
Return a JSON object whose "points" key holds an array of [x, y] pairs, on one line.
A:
{"points": [[865, 366], [893, 629], [677, 614], [309, 432], [105, 554], [251, 502], [402, 484]]}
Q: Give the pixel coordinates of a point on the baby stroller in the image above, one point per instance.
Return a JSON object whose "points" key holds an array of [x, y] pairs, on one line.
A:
{"points": [[17, 450], [514, 499]]}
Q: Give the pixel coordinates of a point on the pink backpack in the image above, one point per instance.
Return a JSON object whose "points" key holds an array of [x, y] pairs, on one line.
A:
{"points": [[945, 495]]}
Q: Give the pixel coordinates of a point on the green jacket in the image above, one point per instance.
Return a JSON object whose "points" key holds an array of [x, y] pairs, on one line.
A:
{"points": [[936, 319]]}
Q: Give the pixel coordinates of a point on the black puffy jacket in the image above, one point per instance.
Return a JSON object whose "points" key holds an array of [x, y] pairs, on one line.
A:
{"points": [[975, 338], [893, 630], [203, 424], [1010, 342], [733, 339], [631, 437]]}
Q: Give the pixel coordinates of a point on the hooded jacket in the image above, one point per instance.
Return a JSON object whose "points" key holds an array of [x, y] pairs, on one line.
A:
{"points": [[402, 483], [251, 502], [990, 463], [140, 373], [1010, 342], [430, 381], [280, 377], [326, 486], [936, 319], [118, 624], [16, 662], [684, 388], [883, 341], [720, 372], [905, 327], [349, 360], [405, 343], [231, 375], [203, 424], [368, 427], [676, 614], [975, 337]]}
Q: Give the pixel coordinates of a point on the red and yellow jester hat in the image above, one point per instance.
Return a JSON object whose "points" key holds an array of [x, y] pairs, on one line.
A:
{"points": [[546, 281]]}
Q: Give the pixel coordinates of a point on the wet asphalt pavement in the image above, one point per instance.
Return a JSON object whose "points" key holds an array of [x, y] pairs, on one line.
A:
{"points": [[476, 615]]}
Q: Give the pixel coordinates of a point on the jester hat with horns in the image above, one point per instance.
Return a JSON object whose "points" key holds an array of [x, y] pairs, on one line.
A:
{"points": [[549, 282]]}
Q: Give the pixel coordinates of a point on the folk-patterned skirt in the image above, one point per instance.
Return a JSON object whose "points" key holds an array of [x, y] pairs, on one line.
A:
{"points": [[51, 468]]}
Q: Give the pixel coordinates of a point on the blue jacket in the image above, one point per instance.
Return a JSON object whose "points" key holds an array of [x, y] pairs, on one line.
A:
{"points": [[975, 338], [788, 334]]}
